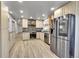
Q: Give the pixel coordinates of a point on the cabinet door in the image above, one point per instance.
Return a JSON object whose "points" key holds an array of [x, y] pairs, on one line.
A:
{"points": [[72, 7], [69, 8], [38, 35], [25, 23], [58, 13], [26, 35], [66, 9], [39, 24], [42, 36]]}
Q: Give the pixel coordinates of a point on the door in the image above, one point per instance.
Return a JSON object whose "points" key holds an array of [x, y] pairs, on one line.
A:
{"points": [[53, 35], [72, 34], [62, 37]]}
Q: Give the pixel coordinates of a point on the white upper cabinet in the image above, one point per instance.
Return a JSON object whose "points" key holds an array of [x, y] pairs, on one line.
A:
{"points": [[58, 13], [69, 8], [24, 23], [72, 7], [46, 25], [39, 24]]}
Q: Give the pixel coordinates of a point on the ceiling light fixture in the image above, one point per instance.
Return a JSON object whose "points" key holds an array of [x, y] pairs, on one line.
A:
{"points": [[52, 9], [31, 17], [11, 12], [21, 11], [43, 15], [20, 1]]}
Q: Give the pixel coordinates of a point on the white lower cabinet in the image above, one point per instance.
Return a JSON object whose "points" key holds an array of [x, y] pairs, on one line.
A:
{"points": [[26, 35], [40, 35]]}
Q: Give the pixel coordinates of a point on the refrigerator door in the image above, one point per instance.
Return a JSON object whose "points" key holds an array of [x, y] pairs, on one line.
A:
{"points": [[69, 39], [62, 47], [65, 47], [63, 27], [53, 36], [71, 34], [62, 38], [60, 34], [59, 46], [53, 45]]}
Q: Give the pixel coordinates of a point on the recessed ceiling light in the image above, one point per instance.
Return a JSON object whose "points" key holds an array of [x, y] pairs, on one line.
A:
{"points": [[22, 16], [20, 1], [21, 11], [31, 17], [11, 12], [43, 15], [52, 9]]}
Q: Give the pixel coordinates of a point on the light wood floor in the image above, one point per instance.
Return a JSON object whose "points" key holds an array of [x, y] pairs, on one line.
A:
{"points": [[34, 48]]}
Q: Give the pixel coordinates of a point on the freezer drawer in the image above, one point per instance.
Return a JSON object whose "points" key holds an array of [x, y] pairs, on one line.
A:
{"points": [[53, 45], [63, 47], [59, 46]]}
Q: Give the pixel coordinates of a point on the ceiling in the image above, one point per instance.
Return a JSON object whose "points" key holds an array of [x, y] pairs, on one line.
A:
{"points": [[33, 8]]}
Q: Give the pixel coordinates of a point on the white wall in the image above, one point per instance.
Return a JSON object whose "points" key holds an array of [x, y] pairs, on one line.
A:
{"points": [[77, 31], [4, 31], [12, 31], [0, 29], [8, 35]]}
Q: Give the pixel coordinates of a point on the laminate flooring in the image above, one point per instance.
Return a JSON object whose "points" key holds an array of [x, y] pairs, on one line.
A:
{"points": [[32, 48]]}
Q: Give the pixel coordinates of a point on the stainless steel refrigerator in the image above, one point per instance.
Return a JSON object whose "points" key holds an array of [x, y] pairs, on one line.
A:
{"points": [[66, 36], [63, 36]]}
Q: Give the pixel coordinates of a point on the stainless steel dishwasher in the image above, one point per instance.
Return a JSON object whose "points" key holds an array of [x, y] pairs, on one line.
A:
{"points": [[46, 38]]}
